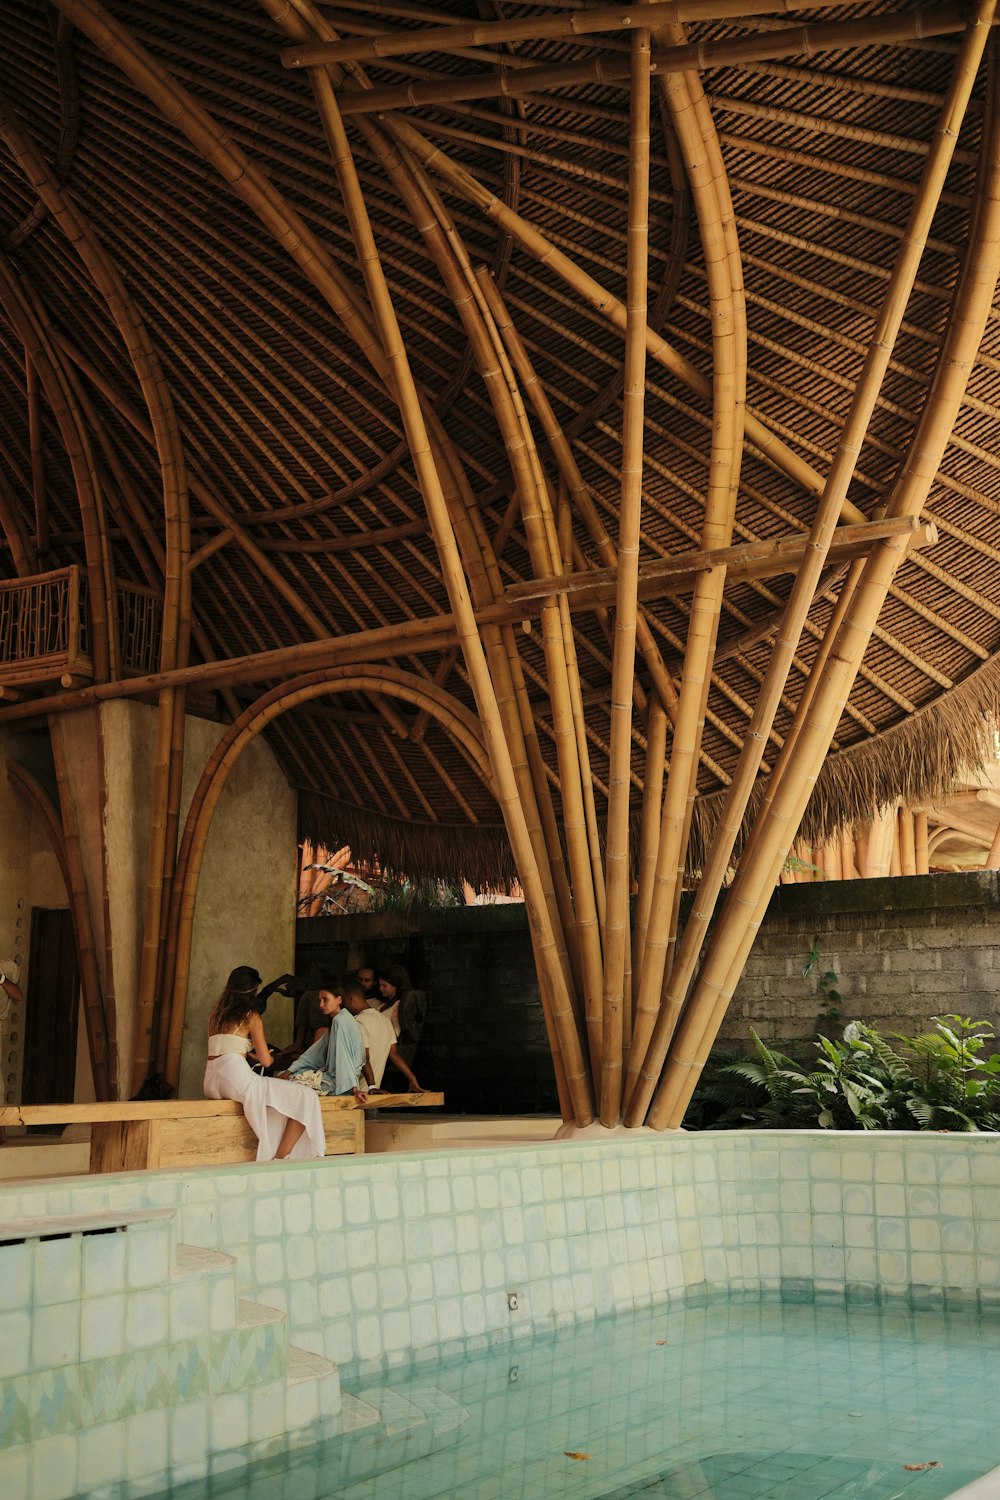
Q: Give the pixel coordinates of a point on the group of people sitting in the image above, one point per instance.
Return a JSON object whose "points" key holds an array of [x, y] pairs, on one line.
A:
{"points": [[344, 1040]]}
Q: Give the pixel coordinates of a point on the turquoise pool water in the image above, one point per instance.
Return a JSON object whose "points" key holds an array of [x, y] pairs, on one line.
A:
{"points": [[733, 1400]]}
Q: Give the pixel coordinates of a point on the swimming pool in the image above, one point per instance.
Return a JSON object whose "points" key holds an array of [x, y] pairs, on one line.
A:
{"points": [[737, 1399], [218, 1324]]}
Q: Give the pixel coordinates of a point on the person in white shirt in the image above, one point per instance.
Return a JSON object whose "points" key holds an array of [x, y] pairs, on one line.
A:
{"points": [[380, 1039]]}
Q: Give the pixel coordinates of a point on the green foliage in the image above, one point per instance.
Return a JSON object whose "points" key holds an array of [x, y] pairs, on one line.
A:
{"points": [[940, 1080]]}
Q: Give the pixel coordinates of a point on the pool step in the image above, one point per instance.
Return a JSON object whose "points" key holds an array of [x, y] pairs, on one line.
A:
{"points": [[396, 1413], [356, 1414]]}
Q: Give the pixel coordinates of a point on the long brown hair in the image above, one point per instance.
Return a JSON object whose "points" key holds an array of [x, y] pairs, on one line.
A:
{"points": [[236, 1002]]}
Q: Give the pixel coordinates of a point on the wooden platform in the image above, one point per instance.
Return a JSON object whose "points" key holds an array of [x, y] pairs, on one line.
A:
{"points": [[135, 1136]]}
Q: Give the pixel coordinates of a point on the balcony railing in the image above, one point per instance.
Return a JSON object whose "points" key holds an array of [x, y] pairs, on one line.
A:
{"points": [[45, 629]]}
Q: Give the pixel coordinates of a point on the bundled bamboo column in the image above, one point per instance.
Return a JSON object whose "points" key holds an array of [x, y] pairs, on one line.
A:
{"points": [[807, 578], [736, 927]]}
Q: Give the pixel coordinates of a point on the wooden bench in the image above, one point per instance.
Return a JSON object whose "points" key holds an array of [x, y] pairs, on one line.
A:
{"points": [[135, 1136]]}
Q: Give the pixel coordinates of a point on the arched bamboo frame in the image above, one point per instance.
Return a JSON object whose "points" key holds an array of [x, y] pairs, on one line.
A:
{"points": [[391, 681]]}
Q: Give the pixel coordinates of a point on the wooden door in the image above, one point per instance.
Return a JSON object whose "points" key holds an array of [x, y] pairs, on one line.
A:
{"points": [[51, 1010]]}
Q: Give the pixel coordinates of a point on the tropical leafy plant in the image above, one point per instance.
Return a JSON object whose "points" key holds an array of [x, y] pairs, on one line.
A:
{"points": [[940, 1080]]}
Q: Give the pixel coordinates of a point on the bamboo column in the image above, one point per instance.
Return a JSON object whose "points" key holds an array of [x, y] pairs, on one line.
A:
{"points": [[626, 600], [735, 929], [695, 133]]}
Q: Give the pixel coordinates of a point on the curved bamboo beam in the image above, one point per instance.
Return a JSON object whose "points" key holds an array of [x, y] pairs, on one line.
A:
{"points": [[388, 682], [577, 915], [169, 748], [447, 251], [771, 448], [736, 928]]}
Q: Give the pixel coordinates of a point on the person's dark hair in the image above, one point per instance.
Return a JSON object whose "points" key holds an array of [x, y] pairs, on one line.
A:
{"points": [[333, 985], [352, 990], [236, 1002], [397, 976], [375, 973]]}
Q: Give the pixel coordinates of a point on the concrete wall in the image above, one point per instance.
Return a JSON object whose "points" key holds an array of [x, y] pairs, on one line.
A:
{"points": [[904, 950]]}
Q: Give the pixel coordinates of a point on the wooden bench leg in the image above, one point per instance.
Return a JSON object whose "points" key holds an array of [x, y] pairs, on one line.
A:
{"points": [[124, 1145]]}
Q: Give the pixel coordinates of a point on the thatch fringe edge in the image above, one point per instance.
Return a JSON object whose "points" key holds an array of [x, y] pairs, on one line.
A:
{"points": [[479, 853], [918, 760]]}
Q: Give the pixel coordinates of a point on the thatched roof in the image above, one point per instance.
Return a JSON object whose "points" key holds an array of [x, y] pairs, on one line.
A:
{"points": [[289, 434]]}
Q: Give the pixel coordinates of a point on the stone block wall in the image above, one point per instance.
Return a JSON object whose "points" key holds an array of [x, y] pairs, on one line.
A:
{"points": [[903, 950]]}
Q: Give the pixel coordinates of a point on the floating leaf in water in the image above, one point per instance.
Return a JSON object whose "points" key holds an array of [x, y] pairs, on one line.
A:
{"points": [[659, 1342], [578, 1456], [933, 1463]]}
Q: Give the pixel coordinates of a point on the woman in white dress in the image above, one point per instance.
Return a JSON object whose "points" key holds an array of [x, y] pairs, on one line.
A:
{"points": [[285, 1117]]}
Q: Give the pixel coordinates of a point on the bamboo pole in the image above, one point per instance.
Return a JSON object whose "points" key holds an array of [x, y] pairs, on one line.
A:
{"points": [[695, 133], [410, 638], [22, 552], [907, 842], [519, 83], [577, 489], [807, 578], [920, 842], [487, 34], [626, 598], [747, 899]]}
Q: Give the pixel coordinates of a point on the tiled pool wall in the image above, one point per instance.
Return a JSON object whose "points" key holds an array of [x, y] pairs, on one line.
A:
{"points": [[374, 1261]]}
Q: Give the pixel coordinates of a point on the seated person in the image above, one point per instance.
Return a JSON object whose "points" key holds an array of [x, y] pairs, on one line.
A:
{"points": [[367, 977], [380, 1039], [311, 1025], [338, 1057], [405, 1007]]}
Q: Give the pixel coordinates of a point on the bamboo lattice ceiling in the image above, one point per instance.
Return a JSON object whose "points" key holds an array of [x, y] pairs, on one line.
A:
{"points": [[307, 518]]}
